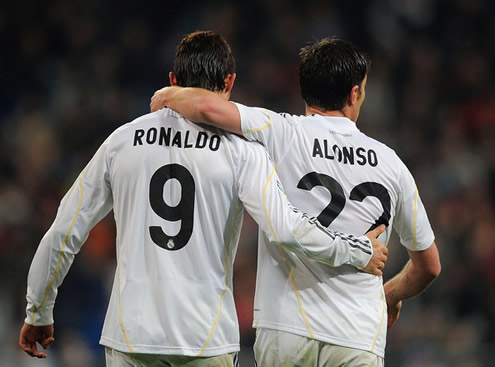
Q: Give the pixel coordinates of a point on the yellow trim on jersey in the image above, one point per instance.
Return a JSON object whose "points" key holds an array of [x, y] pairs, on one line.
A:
{"points": [[384, 307], [227, 247], [259, 128], [121, 319], [415, 240], [62, 251], [257, 351], [282, 251]]}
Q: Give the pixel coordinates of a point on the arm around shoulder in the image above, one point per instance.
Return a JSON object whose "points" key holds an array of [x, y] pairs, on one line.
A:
{"points": [[199, 105]]}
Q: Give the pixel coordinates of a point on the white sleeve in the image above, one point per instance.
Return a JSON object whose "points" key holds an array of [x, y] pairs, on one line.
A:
{"points": [[411, 221], [84, 205], [265, 200], [267, 128]]}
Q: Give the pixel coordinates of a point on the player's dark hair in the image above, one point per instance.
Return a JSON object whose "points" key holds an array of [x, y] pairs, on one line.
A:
{"points": [[203, 59], [328, 71]]}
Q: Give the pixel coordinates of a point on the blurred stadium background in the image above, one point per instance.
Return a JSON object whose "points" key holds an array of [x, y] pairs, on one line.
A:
{"points": [[73, 71]]}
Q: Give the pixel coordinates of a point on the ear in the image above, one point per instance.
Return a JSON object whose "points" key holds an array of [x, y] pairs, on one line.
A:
{"points": [[229, 83], [172, 78], [353, 96]]}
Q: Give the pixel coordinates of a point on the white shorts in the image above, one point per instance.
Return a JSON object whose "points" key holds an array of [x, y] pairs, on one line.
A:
{"points": [[115, 358], [275, 348]]}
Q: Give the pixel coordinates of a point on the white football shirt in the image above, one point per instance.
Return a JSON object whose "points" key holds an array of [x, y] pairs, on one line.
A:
{"points": [[350, 182], [178, 193]]}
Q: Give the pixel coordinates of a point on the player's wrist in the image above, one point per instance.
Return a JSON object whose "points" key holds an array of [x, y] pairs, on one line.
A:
{"points": [[361, 254], [38, 316]]}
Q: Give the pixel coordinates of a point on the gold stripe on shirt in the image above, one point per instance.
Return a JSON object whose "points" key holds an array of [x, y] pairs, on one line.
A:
{"points": [[259, 128], [291, 275], [121, 319], [415, 240], [62, 251], [227, 259]]}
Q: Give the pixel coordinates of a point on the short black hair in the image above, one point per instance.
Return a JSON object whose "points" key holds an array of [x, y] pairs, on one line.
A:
{"points": [[203, 59], [328, 71]]}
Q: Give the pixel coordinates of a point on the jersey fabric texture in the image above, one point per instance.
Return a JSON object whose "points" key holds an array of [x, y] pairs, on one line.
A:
{"points": [[351, 183], [178, 193]]}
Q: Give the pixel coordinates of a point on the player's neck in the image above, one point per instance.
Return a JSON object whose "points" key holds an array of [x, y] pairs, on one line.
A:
{"points": [[313, 110]]}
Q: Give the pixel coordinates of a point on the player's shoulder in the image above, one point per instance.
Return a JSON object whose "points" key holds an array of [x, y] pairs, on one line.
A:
{"points": [[154, 119], [268, 114], [243, 151], [377, 145], [125, 132], [390, 161], [242, 145], [142, 120]]}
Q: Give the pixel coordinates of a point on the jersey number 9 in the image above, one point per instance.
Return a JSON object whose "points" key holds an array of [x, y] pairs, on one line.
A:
{"points": [[183, 211]]}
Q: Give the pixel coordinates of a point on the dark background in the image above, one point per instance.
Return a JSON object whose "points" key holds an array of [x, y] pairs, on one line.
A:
{"points": [[73, 71]]}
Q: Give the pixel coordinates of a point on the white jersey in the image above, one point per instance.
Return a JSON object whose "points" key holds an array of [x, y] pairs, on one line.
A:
{"points": [[178, 192], [351, 183]]}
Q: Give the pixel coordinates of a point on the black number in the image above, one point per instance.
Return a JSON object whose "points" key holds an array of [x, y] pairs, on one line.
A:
{"points": [[184, 211], [337, 202], [361, 191]]}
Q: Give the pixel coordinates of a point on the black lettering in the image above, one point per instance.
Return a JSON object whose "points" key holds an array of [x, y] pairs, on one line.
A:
{"points": [[317, 149], [177, 140], [337, 152], [372, 158], [201, 140], [151, 136], [186, 144], [165, 136], [348, 153], [138, 135], [327, 154], [214, 143], [360, 153]]}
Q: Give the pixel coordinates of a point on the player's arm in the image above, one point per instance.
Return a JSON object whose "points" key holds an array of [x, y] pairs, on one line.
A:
{"points": [[415, 233], [271, 129], [85, 204], [420, 271], [262, 194], [199, 105]]}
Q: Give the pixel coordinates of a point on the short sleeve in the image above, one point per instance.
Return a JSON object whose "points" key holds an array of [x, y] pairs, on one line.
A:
{"points": [[411, 221]]}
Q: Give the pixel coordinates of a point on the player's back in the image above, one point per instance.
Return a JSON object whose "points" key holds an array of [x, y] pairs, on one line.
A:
{"points": [[178, 221], [351, 183]]}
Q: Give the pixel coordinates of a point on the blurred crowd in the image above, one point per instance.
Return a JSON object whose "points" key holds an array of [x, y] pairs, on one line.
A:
{"points": [[73, 71]]}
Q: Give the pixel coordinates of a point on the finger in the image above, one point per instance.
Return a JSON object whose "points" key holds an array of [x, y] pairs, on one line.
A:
{"points": [[33, 351], [46, 342], [36, 352], [378, 230], [378, 271], [390, 322], [27, 345], [26, 348], [153, 106], [40, 355]]}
